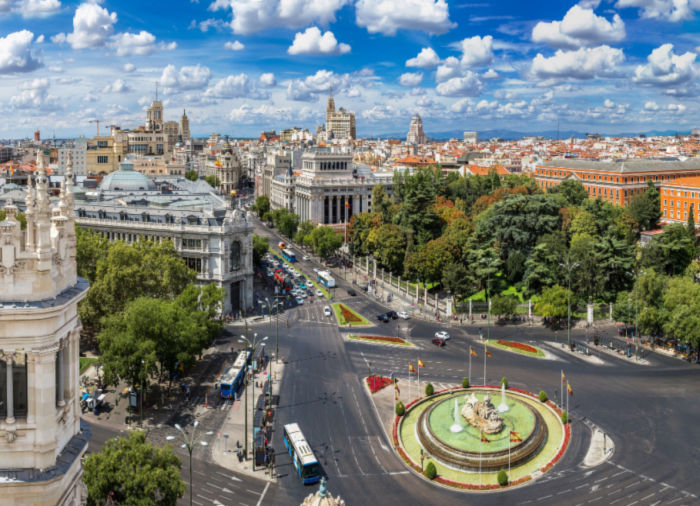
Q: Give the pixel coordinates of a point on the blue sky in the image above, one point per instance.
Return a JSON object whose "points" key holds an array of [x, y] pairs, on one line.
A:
{"points": [[240, 66]]}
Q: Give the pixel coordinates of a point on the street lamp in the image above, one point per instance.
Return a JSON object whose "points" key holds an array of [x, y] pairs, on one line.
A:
{"points": [[189, 442], [251, 345], [568, 266]]}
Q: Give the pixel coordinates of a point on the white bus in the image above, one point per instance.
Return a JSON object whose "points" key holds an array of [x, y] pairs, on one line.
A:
{"points": [[305, 462], [326, 278]]}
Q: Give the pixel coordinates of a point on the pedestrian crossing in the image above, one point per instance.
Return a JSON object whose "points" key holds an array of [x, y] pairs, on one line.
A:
{"points": [[312, 311]]}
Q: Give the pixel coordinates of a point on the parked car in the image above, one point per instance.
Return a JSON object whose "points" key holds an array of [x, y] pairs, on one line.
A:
{"points": [[392, 314], [300, 301], [383, 318], [310, 292], [326, 310], [403, 315], [319, 293], [442, 335], [351, 292], [439, 342]]}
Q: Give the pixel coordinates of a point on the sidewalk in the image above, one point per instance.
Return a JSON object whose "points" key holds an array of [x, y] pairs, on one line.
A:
{"points": [[224, 448]]}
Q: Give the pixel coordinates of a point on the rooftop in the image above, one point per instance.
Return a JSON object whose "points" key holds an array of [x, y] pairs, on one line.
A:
{"points": [[628, 165]]}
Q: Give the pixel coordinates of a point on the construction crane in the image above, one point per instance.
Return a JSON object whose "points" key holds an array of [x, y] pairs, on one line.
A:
{"points": [[98, 125]]}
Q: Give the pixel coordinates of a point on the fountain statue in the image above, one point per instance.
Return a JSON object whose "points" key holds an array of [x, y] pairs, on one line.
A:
{"points": [[503, 407], [456, 427], [482, 414]]}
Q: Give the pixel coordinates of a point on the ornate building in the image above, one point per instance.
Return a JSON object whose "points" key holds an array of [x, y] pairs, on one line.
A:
{"points": [[340, 124], [227, 168], [416, 135], [184, 127], [42, 439]]}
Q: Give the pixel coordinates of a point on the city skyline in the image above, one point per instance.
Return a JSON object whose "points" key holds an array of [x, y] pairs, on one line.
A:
{"points": [[239, 66]]}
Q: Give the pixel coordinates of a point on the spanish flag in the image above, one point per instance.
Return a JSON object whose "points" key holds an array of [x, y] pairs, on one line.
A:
{"points": [[217, 163], [473, 353], [563, 378], [347, 204], [420, 363], [411, 368], [568, 388], [488, 353], [515, 437], [483, 439], [396, 395]]}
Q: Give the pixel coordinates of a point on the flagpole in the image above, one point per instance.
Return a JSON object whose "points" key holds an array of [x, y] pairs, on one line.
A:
{"points": [[409, 382], [484, 364], [510, 442], [418, 365], [470, 366], [561, 384], [567, 403], [481, 442]]}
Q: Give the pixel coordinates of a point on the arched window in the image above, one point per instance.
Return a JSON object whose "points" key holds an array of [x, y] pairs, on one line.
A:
{"points": [[235, 256]]}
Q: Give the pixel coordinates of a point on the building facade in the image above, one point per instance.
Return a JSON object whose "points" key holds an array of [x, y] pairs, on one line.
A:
{"points": [[77, 150], [43, 439], [679, 198], [184, 130], [226, 167], [416, 135], [340, 124]]}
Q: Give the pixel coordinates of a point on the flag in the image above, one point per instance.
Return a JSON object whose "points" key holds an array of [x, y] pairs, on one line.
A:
{"points": [[217, 163], [396, 395], [568, 388], [347, 204], [563, 378], [488, 353], [420, 363], [515, 437], [484, 440], [411, 368], [473, 353]]}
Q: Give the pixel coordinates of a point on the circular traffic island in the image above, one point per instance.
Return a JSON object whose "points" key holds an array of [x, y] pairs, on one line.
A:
{"points": [[472, 434]]}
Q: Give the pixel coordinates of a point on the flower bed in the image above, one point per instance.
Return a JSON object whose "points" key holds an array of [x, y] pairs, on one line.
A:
{"points": [[376, 383], [516, 347], [521, 346], [381, 339], [347, 316]]}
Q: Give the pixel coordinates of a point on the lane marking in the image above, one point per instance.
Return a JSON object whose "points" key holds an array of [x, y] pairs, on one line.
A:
{"points": [[263, 494], [647, 497]]}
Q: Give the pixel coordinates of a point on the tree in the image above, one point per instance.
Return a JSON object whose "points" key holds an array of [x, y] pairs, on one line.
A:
{"points": [[645, 208], [428, 262], [465, 382], [582, 223], [191, 175], [131, 470], [456, 278], [388, 244], [429, 389], [585, 279], [503, 305], [89, 248], [416, 213], [543, 266], [19, 217], [502, 478], [261, 245], [691, 223], [553, 302], [303, 235], [572, 190], [285, 221], [681, 308], [381, 203], [624, 309], [616, 258], [261, 205], [671, 252], [399, 409], [325, 241], [213, 181], [430, 471]]}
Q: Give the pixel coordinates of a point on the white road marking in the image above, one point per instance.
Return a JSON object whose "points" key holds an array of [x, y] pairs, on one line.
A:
{"points": [[263, 494], [648, 496]]}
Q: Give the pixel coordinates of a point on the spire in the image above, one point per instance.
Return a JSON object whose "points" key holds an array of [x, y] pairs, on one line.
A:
{"points": [[29, 214]]}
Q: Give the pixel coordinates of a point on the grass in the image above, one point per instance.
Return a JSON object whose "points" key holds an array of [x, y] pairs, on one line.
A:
{"points": [[496, 344], [316, 285], [359, 319], [85, 362], [379, 340]]}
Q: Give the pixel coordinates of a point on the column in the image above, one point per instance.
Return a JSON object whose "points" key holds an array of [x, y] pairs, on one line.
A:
{"points": [[61, 372], [470, 309], [590, 313], [9, 360]]}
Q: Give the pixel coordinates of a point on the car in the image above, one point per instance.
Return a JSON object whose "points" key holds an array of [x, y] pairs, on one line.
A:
{"points": [[305, 258], [319, 293], [302, 285], [403, 315], [439, 342], [442, 335], [392, 314], [351, 292], [310, 292], [303, 294], [300, 301], [383, 318], [326, 310]]}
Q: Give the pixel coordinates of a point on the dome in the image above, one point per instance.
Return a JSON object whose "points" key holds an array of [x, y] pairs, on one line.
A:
{"points": [[126, 179]]}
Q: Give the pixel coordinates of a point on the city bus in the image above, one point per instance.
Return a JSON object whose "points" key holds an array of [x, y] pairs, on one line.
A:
{"points": [[289, 255], [326, 278], [305, 462], [233, 375]]}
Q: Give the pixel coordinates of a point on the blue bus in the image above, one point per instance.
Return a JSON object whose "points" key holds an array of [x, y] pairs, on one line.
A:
{"points": [[233, 376], [305, 462], [289, 255], [326, 278]]}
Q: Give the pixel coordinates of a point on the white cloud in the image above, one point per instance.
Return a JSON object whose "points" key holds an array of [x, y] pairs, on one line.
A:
{"points": [[676, 108], [118, 86], [5, 5], [129, 67], [450, 68], [170, 46], [476, 51], [490, 74], [312, 41], [238, 86], [187, 78], [462, 106], [670, 10], [381, 113], [666, 69], [35, 95], [204, 26], [411, 78], [320, 83], [467, 86], [251, 16], [580, 27], [601, 61], [426, 59], [92, 26], [38, 8], [16, 53], [133, 44], [608, 104], [269, 114], [388, 16], [651, 106], [354, 92], [267, 80], [234, 46]]}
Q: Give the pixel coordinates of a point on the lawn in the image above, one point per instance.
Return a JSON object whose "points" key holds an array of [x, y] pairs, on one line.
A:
{"points": [[85, 363], [396, 341], [346, 316], [523, 349]]}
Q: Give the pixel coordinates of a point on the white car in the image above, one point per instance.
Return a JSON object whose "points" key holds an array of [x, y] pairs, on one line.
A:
{"points": [[319, 293], [403, 315], [326, 310], [442, 335], [300, 301], [303, 294], [305, 258]]}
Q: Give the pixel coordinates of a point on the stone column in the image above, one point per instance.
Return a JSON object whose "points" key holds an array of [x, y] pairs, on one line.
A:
{"points": [[470, 309], [436, 302], [425, 297], [60, 388], [9, 360], [529, 309], [590, 313]]}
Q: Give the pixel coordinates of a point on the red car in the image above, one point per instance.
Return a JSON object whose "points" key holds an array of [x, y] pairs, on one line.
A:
{"points": [[439, 342]]}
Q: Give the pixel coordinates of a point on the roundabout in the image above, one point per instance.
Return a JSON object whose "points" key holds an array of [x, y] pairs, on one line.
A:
{"points": [[469, 440]]}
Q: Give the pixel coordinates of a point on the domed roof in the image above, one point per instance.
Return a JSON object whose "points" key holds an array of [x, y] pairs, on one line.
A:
{"points": [[126, 179]]}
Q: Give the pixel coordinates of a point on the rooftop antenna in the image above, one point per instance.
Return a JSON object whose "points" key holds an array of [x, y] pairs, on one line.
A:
{"points": [[156, 91]]}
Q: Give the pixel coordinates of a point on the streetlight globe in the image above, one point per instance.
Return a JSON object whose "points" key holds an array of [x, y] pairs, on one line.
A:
{"points": [[204, 443], [170, 438], [240, 340], [265, 338], [196, 423], [177, 426], [183, 446]]}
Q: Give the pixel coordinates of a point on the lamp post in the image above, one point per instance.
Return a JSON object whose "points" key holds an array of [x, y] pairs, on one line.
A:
{"points": [[143, 365], [251, 345], [568, 266], [189, 442], [277, 330]]}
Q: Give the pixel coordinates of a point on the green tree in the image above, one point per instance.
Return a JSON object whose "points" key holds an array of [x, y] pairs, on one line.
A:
{"points": [[624, 309], [681, 309], [583, 223], [585, 279], [428, 261], [645, 208], [381, 203], [213, 181], [325, 241], [261, 245], [131, 470], [456, 278], [430, 471], [670, 252], [388, 244], [261, 205], [543, 266], [429, 389], [503, 305], [616, 258], [89, 248], [691, 224], [19, 217], [572, 190], [502, 478], [416, 213], [553, 302], [303, 235], [191, 175], [358, 231], [285, 221]]}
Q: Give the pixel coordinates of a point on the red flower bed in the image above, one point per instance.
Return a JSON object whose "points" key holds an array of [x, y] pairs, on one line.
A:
{"points": [[348, 315], [383, 339], [520, 346], [376, 383]]}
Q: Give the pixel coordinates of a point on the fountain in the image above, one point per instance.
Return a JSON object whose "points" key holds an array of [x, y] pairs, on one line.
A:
{"points": [[456, 427], [503, 407]]}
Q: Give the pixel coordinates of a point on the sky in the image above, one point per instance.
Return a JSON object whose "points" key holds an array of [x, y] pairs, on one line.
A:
{"points": [[241, 66]]}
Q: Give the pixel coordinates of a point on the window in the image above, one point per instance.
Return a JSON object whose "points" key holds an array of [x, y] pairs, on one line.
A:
{"points": [[194, 263], [192, 243], [103, 159], [235, 256], [19, 386]]}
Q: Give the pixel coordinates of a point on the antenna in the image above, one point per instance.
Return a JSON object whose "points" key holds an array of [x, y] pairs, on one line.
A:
{"points": [[156, 91]]}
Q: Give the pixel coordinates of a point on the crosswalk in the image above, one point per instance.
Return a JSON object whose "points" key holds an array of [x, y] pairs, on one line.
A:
{"points": [[312, 311]]}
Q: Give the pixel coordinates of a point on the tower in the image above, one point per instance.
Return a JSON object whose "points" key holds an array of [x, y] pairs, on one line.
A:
{"points": [[330, 110], [184, 127], [42, 438]]}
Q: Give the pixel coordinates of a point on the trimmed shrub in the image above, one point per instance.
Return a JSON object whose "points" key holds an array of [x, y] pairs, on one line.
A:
{"points": [[502, 478], [564, 417], [504, 381], [429, 390], [400, 409], [430, 471], [543, 396], [465, 382]]}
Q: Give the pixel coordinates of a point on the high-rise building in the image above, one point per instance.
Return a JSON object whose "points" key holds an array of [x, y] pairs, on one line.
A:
{"points": [[416, 135], [340, 124], [43, 438], [471, 137], [154, 116], [184, 127]]}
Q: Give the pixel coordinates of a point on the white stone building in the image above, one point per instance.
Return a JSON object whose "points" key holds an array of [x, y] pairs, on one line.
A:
{"points": [[42, 439], [416, 135], [77, 150]]}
